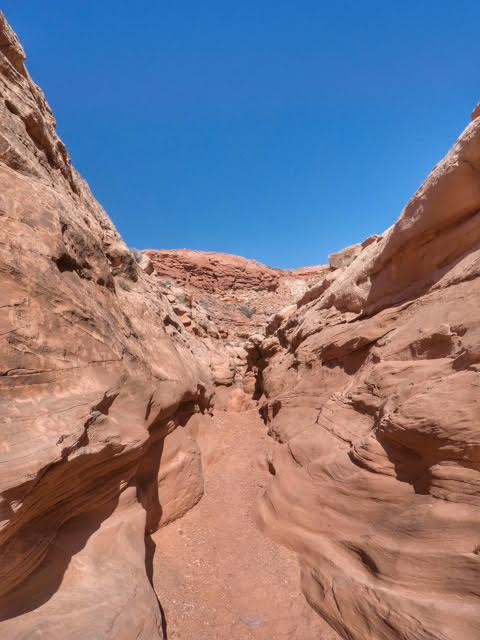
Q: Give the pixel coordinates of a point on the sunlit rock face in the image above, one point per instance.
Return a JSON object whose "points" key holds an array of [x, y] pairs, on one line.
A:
{"points": [[91, 390], [238, 295], [372, 387], [228, 302]]}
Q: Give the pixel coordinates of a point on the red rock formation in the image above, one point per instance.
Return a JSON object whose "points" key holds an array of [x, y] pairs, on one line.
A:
{"points": [[370, 375], [91, 390], [372, 387], [228, 301], [239, 295], [100, 363]]}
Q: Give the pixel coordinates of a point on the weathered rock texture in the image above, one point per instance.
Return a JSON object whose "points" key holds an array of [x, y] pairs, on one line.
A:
{"points": [[91, 390], [228, 301], [239, 295], [372, 387], [367, 373]]}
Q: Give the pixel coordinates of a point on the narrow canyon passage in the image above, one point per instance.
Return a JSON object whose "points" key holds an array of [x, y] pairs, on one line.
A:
{"points": [[217, 576], [367, 369]]}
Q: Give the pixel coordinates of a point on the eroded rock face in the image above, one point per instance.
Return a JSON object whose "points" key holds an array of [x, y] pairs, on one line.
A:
{"points": [[238, 295], [344, 258], [91, 384], [228, 301], [372, 387]]}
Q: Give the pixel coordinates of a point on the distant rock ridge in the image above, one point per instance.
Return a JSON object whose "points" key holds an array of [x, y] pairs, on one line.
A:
{"points": [[228, 301], [241, 294]]}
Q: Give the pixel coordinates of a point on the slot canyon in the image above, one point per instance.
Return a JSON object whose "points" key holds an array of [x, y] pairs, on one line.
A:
{"points": [[195, 446]]}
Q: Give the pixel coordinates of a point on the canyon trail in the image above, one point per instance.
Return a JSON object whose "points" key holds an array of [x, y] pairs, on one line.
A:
{"points": [[216, 575]]}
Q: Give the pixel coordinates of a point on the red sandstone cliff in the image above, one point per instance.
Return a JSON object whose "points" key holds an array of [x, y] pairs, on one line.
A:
{"points": [[240, 295], [373, 388], [91, 390], [228, 302]]}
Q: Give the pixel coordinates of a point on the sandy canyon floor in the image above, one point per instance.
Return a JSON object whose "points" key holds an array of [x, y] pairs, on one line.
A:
{"points": [[216, 575]]}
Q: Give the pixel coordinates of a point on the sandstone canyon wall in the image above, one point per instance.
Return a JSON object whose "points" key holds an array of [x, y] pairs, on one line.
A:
{"points": [[366, 373], [372, 389], [91, 389]]}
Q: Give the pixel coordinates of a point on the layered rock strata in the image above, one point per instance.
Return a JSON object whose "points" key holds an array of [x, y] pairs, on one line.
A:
{"points": [[238, 295], [228, 301]]}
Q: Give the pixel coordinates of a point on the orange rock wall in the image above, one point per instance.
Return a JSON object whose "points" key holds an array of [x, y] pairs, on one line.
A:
{"points": [[372, 389]]}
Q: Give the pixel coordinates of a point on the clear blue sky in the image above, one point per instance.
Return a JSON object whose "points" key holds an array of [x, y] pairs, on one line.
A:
{"points": [[280, 131]]}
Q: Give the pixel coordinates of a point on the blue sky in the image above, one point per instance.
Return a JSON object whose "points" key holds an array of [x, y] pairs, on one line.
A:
{"points": [[281, 131]]}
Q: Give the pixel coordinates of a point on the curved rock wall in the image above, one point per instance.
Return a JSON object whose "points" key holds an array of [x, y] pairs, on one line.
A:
{"points": [[91, 389], [372, 389]]}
